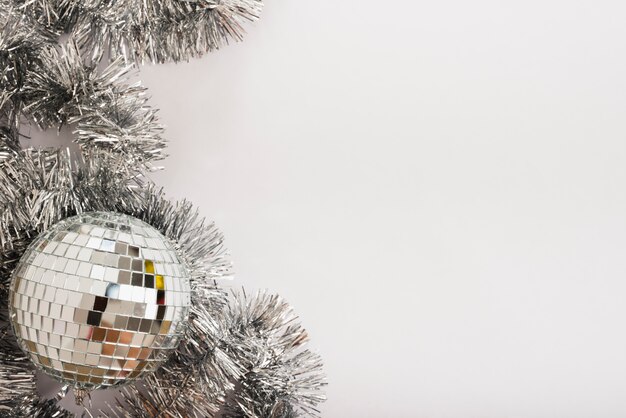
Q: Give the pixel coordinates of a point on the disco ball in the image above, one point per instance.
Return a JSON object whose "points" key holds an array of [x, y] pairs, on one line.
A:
{"points": [[99, 300]]}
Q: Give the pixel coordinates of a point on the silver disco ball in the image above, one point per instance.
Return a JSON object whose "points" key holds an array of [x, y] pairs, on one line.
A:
{"points": [[99, 300]]}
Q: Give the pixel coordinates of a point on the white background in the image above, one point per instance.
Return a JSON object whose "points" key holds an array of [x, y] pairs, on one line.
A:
{"points": [[438, 188]]}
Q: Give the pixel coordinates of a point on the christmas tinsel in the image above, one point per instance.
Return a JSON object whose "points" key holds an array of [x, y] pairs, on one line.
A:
{"points": [[243, 355]]}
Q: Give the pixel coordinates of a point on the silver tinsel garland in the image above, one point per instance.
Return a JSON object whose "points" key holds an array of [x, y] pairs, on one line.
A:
{"points": [[109, 113], [156, 31], [249, 352], [21, 43], [282, 378], [242, 356]]}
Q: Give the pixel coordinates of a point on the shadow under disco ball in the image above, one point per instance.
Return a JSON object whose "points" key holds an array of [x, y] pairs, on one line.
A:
{"points": [[99, 299]]}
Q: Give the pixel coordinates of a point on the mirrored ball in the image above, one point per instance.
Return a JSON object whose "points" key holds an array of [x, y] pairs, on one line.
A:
{"points": [[99, 299]]}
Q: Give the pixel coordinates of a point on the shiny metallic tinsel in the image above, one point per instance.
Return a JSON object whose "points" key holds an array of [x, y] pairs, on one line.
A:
{"points": [[40, 187], [201, 243], [21, 43], [243, 359], [193, 381], [109, 113], [283, 379], [52, 85], [156, 31], [242, 356]]}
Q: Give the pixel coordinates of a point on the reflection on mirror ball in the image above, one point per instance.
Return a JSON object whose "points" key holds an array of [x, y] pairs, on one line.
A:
{"points": [[99, 299]]}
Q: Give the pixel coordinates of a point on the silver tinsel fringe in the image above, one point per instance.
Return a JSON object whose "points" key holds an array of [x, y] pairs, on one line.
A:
{"points": [[244, 359], [109, 113], [21, 43], [201, 243], [282, 378], [53, 85], [157, 31], [39, 188]]}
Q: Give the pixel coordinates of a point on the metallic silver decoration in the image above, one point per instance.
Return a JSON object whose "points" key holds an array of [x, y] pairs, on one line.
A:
{"points": [[29, 205], [17, 376], [99, 299], [221, 347], [109, 112], [39, 188], [282, 378], [200, 242], [8, 146], [243, 359], [156, 31], [21, 43], [241, 356], [18, 391]]}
